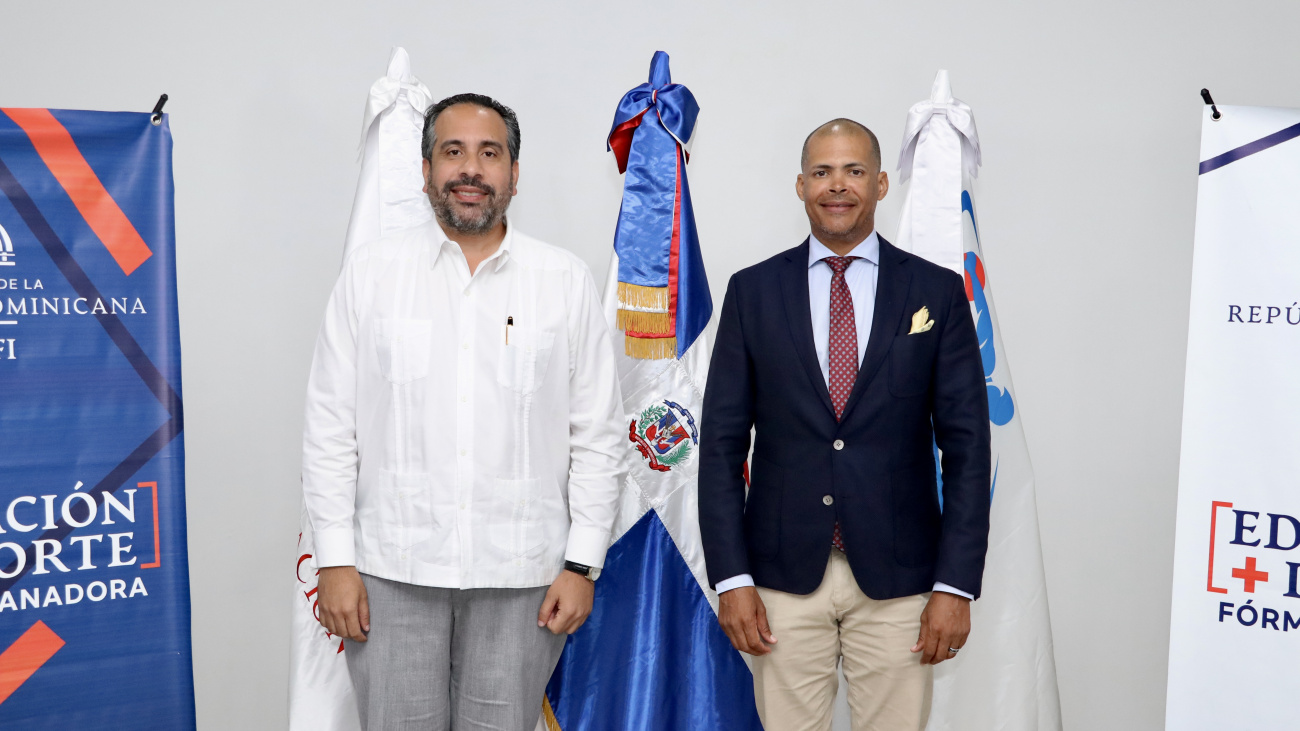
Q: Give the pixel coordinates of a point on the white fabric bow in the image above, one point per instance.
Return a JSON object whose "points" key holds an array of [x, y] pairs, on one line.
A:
{"points": [[385, 91], [940, 156], [389, 196], [956, 112]]}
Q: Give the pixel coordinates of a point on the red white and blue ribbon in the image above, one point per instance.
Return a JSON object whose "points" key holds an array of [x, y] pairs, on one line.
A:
{"points": [[664, 300]]}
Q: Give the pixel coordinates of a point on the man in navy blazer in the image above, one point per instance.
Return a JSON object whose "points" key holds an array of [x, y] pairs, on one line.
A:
{"points": [[851, 361]]}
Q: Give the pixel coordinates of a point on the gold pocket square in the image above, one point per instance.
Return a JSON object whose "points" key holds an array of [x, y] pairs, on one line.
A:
{"points": [[921, 321]]}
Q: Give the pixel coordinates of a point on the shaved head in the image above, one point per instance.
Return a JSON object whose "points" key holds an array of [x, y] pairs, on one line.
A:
{"points": [[840, 182], [842, 126]]}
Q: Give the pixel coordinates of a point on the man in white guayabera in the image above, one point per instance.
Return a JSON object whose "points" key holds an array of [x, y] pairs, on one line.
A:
{"points": [[462, 452]]}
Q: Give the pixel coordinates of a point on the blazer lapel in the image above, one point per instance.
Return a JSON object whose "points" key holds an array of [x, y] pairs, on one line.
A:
{"points": [[794, 286], [892, 283]]}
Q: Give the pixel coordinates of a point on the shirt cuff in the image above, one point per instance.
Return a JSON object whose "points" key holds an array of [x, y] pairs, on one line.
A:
{"points": [[587, 546], [335, 548], [735, 582], [940, 586]]}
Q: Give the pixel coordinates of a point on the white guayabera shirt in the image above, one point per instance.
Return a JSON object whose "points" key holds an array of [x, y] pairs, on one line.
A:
{"points": [[437, 453]]}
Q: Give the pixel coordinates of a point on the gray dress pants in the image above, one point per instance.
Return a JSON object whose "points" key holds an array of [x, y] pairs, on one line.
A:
{"points": [[450, 659]]}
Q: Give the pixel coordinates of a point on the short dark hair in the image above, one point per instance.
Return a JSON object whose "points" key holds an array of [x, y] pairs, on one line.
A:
{"points": [[875, 143], [478, 100]]}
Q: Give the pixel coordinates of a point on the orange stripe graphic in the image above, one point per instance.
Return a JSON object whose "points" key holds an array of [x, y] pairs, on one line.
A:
{"points": [[25, 656], [157, 540], [60, 154]]}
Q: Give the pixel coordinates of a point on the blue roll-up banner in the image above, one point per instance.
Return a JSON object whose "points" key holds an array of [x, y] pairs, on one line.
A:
{"points": [[94, 582]]}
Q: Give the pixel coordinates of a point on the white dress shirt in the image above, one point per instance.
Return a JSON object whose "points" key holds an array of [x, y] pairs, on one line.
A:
{"points": [[861, 276], [436, 453]]}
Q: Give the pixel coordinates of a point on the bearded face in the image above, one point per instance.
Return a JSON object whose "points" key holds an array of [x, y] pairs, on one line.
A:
{"points": [[469, 176], [468, 205]]}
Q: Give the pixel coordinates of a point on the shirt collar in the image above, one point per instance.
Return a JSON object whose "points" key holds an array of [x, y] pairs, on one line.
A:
{"points": [[868, 248], [447, 246]]}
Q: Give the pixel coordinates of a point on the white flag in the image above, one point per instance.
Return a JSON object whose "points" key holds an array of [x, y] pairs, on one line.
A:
{"points": [[1006, 676], [388, 199]]}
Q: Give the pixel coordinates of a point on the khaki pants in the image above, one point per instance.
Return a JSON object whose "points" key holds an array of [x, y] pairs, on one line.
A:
{"points": [[795, 685]]}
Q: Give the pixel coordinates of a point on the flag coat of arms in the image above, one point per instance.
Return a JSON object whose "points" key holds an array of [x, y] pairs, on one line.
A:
{"points": [[1006, 676], [652, 656]]}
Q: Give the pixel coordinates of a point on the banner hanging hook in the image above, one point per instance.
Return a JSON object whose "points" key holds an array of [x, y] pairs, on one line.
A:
{"points": [[1214, 111], [156, 116]]}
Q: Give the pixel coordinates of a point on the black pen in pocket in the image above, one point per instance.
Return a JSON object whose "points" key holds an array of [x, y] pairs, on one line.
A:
{"points": [[510, 322]]}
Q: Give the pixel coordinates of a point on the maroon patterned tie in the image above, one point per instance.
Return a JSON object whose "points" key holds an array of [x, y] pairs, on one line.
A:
{"points": [[843, 348]]}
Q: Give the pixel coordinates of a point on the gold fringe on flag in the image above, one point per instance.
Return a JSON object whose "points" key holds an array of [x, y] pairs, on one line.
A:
{"points": [[651, 323], [548, 715], [650, 348], [650, 298]]}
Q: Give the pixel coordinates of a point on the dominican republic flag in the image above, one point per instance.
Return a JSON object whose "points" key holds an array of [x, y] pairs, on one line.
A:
{"points": [[652, 656], [1006, 675], [663, 295], [94, 577], [388, 199]]}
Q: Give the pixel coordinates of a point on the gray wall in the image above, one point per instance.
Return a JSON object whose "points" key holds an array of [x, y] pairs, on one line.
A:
{"points": [[1089, 117]]}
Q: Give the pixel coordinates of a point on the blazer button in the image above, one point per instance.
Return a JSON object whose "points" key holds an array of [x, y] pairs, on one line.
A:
{"points": [[828, 500], [838, 444]]}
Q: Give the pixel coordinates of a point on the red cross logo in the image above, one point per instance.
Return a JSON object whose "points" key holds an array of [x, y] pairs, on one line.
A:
{"points": [[1249, 575]]}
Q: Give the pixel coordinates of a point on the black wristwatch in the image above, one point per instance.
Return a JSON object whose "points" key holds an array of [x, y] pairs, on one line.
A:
{"points": [[589, 572]]}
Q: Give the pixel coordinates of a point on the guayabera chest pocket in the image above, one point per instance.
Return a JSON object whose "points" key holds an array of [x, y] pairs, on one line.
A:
{"points": [[403, 347], [524, 361]]}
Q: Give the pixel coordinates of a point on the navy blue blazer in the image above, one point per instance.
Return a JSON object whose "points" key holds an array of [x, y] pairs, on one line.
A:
{"points": [[873, 471]]}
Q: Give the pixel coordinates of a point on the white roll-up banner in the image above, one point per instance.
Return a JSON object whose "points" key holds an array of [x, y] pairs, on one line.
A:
{"points": [[1235, 625]]}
